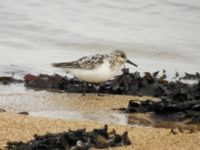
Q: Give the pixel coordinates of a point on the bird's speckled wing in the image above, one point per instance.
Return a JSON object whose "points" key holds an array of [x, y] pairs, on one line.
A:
{"points": [[89, 62]]}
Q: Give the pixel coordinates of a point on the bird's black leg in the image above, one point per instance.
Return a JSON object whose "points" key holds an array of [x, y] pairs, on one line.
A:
{"points": [[97, 88], [84, 88]]}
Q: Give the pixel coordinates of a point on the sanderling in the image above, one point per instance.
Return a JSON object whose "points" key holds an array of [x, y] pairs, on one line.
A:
{"points": [[98, 68]]}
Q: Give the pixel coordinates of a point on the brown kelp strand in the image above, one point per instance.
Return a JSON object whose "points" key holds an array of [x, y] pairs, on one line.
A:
{"points": [[74, 140]]}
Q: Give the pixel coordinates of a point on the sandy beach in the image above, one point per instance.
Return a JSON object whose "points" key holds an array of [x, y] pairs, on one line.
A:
{"points": [[16, 127], [22, 128]]}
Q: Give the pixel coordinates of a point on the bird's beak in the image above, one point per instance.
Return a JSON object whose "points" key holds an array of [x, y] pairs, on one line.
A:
{"points": [[130, 62]]}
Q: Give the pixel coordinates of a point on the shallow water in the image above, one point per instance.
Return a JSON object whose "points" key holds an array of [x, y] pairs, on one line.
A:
{"points": [[34, 34], [102, 117], [53, 105], [155, 34]]}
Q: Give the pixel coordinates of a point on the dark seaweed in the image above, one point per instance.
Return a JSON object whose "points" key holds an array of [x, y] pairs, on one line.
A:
{"points": [[189, 76], [127, 83], [73, 140], [176, 98]]}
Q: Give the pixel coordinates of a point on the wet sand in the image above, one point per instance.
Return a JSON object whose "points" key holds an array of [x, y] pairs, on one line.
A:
{"points": [[15, 127], [18, 127], [68, 106]]}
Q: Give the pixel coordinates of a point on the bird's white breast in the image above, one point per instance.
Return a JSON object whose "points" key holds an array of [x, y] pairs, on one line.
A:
{"points": [[97, 75]]}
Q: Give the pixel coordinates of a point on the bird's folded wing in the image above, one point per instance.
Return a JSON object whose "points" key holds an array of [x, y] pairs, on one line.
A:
{"points": [[90, 62], [72, 64]]}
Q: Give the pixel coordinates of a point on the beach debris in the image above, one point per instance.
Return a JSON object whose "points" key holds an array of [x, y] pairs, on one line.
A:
{"points": [[23, 113], [151, 84], [178, 111], [177, 75], [189, 76], [44, 81], [8, 79], [134, 84], [175, 131], [74, 140], [127, 83], [176, 99], [2, 110]]}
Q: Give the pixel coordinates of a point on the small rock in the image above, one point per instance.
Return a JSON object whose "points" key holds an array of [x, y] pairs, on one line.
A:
{"points": [[23, 113]]}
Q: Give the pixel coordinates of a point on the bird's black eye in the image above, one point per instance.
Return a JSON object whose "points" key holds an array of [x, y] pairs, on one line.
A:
{"points": [[123, 56]]}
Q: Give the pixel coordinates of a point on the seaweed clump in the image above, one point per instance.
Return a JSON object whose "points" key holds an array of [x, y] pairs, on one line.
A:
{"points": [[74, 140], [44, 81], [135, 84], [127, 83], [176, 99]]}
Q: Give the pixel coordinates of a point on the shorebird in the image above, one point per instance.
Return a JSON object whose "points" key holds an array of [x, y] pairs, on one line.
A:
{"points": [[97, 68]]}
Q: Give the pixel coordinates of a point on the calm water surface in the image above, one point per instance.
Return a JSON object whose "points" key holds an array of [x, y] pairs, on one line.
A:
{"points": [[155, 34]]}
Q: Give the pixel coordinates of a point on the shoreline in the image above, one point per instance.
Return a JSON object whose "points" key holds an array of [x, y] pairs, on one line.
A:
{"points": [[70, 106], [74, 111]]}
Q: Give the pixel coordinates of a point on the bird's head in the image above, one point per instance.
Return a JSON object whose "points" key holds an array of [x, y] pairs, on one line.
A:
{"points": [[120, 56]]}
